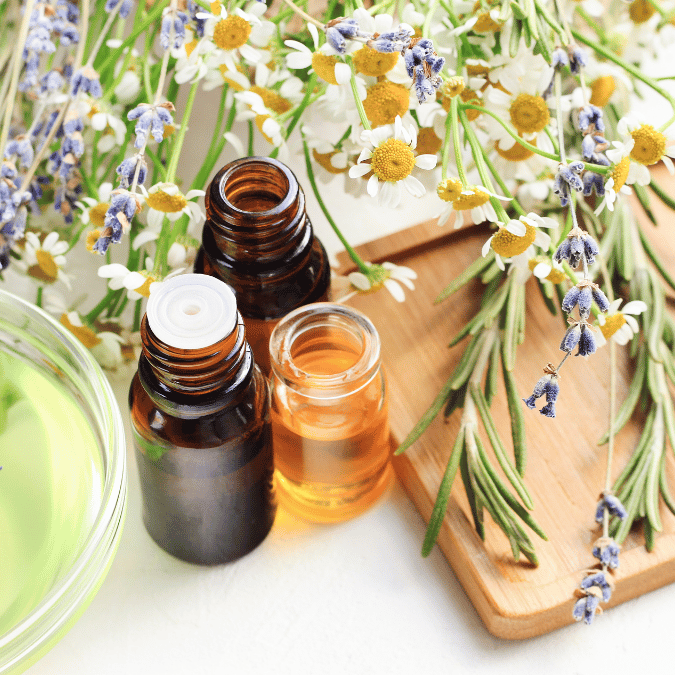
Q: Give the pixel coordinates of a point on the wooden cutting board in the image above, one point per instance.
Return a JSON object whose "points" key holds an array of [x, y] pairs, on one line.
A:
{"points": [[565, 466]]}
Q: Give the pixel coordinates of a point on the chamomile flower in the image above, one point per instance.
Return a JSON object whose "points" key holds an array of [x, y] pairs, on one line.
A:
{"points": [[166, 199], [323, 61], [616, 183], [392, 160], [386, 275], [517, 236], [138, 284], [231, 32], [621, 326], [112, 127], [44, 259], [264, 118], [474, 199], [644, 145], [94, 210]]}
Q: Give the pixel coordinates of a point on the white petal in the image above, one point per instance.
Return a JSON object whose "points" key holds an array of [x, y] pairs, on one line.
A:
{"points": [[542, 240], [143, 238], [614, 305], [235, 142], [314, 33], [500, 262], [366, 153], [634, 307], [99, 121], [49, 241], [486, 247], [669, 164], [359, 280], [360, 170], [390, 195], [426, 161], [112, 270], [194, 193], [542, 270], [372, 186], [294, 44], [395, 290], [623, 335], [133, 281], [630, 320], [516, 227], [414, 187], [400, 271], [343, 73]]}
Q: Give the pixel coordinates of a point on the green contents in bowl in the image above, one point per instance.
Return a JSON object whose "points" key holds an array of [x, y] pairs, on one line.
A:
{"points": [[51, 486]]}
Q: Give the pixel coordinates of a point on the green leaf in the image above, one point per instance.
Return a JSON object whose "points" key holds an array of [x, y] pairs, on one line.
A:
{"points": [[476, 509], [492, 372], [516, 33], [441, 504], [517, 420], [643, 198], [471, 272]]}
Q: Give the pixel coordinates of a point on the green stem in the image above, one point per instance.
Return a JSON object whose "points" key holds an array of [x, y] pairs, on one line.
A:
{"points": [[178, 145], [251, 150], [357, 99], [311, 83], [312, 181], [453, 117]]}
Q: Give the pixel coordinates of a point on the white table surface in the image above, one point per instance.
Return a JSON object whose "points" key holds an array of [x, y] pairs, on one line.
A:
{"points": [[355, 597]]}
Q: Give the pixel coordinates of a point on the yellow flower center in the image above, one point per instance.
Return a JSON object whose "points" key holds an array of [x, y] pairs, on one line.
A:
{"points": [[602, 90], [620, 173], [92, 237], [450, 189], [324, 67], [612, 324], [97, 213], [236, 86], [161, 201], [467, 96], [272, 100], [529, 114], [232, 32], [641, 11], [518, 153], [554, 276], [386, 100], [486, 24], [392, 160], [428, 143], [144, 288], [46, 268], [476, 198], [371, 62], [323, 159], [259, 121], [84, 334], [649, 145], [507, 244], [453, 86], [190, 46]]}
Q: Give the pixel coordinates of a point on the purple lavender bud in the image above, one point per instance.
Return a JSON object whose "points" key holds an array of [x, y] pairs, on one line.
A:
{"points": [[600, 300], [570, 300], [600, 580], [585, 608], [69, 35], [585, 301], [576, 251], [590, 249], [539, 390], [74, 145], [614, 506], [607, 554], [563, 251], [588, 147], [578, 59], [437, 65], [22, 148], [127, 170], [591, 114], [593, 181], [409, 61], [548, 410], [559, 58], [586, 342], [101, 245], [571, 338]]}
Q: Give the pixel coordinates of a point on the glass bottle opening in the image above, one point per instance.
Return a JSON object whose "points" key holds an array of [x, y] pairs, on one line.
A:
{"points": [[257, 185], [325, 350]]}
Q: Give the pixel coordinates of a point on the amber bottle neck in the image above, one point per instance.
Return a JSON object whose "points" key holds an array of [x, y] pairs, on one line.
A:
{"points": [[224, 365], [256, 211]]}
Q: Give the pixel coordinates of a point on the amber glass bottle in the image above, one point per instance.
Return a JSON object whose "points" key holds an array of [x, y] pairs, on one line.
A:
{"points": [[201, 425], [258, 238], [330, 423]]}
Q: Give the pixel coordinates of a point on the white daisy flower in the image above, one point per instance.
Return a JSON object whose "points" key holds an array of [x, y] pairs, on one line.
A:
{"points": [[517, 236], [391, 161], [113, 128], [387, 274], [44, 260], [322, 60], [138, 284], [621, 326], [166, 199], [94, 210]]}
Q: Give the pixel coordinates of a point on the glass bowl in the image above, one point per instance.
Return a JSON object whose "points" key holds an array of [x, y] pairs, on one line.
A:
{"points": [[64, 521]]}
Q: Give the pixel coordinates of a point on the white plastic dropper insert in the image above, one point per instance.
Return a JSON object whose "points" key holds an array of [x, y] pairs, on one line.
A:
{"points": [[192, 311]]}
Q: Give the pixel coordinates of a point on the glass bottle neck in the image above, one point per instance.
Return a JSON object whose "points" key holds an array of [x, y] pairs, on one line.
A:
{"points": [[223, 365], [256, 212]]}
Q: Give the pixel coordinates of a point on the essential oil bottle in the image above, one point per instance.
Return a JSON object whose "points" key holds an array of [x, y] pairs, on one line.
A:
{"points": [[259, 240], [200, 413], [330, 422]]}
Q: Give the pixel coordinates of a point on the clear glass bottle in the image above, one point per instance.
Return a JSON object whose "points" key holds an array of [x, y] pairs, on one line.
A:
{"points": [[330, 424], [201, 425], [259, 240]]}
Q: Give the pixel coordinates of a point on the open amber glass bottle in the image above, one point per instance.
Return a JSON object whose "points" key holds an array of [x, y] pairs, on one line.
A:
{"points": [[201, 425], [329, 412], [259, 240]]}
